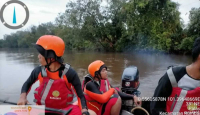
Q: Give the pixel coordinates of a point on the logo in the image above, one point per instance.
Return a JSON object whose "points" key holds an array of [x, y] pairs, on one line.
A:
{"points": [[55, 98], [29, 108], [127, 84], [55, 93], [14, 14], [192, 106]]}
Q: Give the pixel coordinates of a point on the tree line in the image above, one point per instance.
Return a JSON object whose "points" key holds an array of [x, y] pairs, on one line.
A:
{"points": [[118, 26]]}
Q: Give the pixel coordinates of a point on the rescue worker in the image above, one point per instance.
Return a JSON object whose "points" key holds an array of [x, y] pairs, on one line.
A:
{"points": [[180, 86], [57, 80], [101, 98]]}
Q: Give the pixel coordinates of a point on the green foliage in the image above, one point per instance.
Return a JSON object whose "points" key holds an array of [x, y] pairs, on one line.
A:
{"points": [[194, 25], [186, 44], [118, 26]]}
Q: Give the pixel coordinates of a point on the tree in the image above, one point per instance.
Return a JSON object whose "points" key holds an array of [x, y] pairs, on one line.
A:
{"points": [[94, 23], [1, 43], [194, 24], [192, 31], [118, 26], [152, 24]]}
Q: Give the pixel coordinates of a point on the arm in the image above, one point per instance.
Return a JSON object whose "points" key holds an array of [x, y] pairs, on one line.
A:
{"points": [[27, 86], [163, 89], [31, 80], [93, 91], [123, 96], [73, 78]]}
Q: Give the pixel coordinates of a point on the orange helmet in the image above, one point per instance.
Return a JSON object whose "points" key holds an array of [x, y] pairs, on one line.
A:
{"points": [[50, 46], [96, 67]]}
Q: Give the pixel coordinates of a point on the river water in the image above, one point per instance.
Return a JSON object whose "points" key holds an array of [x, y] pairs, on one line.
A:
{"points": [[17, 64]]}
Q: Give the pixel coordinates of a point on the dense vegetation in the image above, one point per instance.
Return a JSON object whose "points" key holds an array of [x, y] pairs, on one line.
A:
{"points": [[120, 25]]}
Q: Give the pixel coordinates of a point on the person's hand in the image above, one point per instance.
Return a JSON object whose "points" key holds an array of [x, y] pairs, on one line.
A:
{"points": [[137, 101], [116, 92], [85, 112], [22, 100]]}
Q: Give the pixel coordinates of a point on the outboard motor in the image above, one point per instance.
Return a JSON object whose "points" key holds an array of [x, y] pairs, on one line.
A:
{"points": [[130, 81], [130, 84]]}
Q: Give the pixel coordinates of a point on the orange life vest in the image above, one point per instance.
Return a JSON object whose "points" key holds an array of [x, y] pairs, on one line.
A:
{"points": [[53, 91]]}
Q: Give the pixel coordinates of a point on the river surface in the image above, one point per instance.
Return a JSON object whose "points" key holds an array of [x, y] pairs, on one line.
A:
{"points": [[17, 64]]}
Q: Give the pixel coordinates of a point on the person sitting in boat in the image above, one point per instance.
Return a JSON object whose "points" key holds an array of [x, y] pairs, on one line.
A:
{"points": [[180, 86], [101, 98], [56, 79]]}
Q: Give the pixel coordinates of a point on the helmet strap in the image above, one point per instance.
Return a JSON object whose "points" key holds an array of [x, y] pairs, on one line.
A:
{"points": [[98, 75], [48, 64]]}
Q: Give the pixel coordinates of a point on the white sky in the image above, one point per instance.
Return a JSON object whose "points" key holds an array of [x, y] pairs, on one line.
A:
{"points": [[42, 11]]}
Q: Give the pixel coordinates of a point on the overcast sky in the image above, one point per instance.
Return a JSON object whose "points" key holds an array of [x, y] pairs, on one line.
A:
{"points": [[42, 11]]}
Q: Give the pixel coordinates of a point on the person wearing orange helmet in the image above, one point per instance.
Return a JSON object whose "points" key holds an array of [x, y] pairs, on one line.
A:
{"points": [[101, 98], [57, 80]]}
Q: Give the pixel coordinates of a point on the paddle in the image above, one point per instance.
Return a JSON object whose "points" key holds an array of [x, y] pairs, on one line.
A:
{"points": [[63, 112]]}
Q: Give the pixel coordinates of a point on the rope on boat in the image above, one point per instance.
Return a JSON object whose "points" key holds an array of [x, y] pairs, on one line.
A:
{"points": [[138, 107]]}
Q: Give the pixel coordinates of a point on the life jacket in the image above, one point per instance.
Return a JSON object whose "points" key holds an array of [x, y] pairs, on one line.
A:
{"points": [[54, 93], [91, 103], [185, 102]]}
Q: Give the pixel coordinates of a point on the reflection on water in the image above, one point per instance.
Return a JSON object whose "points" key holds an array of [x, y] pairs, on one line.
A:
{"points": [[17, 64]]}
